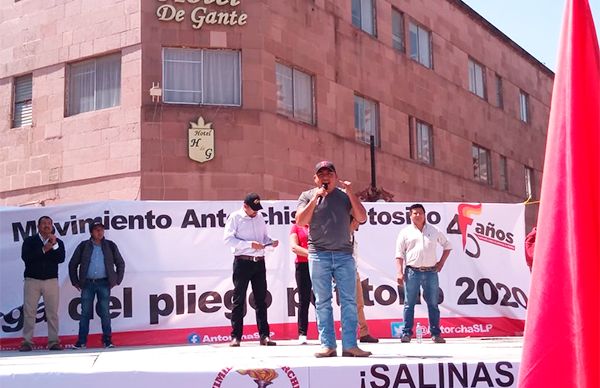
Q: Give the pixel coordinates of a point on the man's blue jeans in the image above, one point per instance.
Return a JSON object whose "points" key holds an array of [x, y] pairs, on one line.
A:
{"points": [[324, 266], [101, 289], [413, 280]]}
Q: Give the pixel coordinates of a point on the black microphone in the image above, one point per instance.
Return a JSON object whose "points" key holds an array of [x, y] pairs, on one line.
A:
{"points": [[325, 186]]}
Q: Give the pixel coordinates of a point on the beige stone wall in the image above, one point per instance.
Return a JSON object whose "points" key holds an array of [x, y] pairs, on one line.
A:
{"points": [[92, 155]]}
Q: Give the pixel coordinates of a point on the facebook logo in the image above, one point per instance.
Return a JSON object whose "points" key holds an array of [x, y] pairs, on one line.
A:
{"points": [[194, 338], [397, 328]]}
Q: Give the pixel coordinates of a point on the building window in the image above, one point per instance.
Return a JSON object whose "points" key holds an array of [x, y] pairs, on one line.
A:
{"points": [[421, 141], [482, 167], [94, 84], [398, 30], [503, 168], [207, 77], [420, 44], [476, 78], [529, 183], [295, 93], [524, 106], [363, 15], [499, 92], [22, 114], [365, 120]]}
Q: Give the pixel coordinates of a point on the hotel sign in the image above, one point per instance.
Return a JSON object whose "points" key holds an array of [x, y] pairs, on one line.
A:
{"points": [[201, 15], [201, 141]]}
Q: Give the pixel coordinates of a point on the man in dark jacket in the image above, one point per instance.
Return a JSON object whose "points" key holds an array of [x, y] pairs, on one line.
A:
{"points": [[95, 268], [41, 253]]}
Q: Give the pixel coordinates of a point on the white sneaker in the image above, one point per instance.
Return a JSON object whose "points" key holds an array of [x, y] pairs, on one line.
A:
{"points": [[302, 340]]}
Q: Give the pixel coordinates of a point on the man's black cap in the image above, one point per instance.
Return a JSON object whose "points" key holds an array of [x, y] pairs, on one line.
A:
{"points": [[253, 201], [324, 164], [95, 225]]}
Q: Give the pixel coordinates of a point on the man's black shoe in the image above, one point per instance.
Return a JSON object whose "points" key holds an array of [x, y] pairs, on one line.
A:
{"points": [[266, 341], [369, 339], [26, 347]]}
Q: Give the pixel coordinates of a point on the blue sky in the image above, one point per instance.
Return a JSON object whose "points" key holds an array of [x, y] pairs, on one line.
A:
{"points": [[533, 24]]}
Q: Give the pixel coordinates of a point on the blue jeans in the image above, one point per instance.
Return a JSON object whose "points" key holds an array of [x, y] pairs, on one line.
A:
{"points": [[101, 289], [413, 280], [324, 266]]}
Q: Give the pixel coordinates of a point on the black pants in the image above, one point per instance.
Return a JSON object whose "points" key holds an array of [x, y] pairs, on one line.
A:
{"points": [[244, 272], [305, 296]]}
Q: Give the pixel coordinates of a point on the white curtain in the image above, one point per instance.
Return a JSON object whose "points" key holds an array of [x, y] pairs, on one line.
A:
{"points": [[285, 100], [365, 119], [95, 84], [424, 47], [195, 76], [108, 81], [303, 97], [221, 82], [414, 41], [366, 15], [423, 142], [82, 85], [472, 86], [182, 75]]}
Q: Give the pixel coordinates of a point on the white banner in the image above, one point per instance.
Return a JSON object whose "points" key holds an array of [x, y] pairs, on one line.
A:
{"points": [[178, 271]]}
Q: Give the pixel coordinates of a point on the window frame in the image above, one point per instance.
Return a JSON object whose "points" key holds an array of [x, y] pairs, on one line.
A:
{"points": [[202, 86], [95, 60], [359, 131], [402, 38], [474, 86], [359, 22], [24, 102], [524, 107], [529, 182], [477, 176], [416, 147], [292, 114], [417, 59]]}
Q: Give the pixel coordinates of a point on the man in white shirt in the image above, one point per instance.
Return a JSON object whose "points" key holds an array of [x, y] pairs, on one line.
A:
{"points": [[418, 266], [246, 235]]}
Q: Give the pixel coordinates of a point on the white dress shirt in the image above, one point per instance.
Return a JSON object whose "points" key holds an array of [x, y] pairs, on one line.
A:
{"points": [[417, 248], [241, 230], [45, 240]]}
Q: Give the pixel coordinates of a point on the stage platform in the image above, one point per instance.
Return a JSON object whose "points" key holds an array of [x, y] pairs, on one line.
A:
{"points": [[472, 362]]}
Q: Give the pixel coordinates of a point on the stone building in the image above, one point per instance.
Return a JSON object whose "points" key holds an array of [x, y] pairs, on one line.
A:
{"points": [[98, 100]]}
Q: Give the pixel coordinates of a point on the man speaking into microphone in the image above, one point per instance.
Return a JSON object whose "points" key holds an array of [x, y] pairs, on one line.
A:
{"points": [[327, 210]]}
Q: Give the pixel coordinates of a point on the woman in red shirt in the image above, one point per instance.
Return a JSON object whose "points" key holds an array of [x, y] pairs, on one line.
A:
{"points": [[299, 245]]}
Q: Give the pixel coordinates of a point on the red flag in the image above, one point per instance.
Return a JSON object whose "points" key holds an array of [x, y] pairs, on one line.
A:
{"points": [[562, 331]]}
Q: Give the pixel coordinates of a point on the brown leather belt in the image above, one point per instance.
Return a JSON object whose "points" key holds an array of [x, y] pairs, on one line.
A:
{"points": [[250, 258], [423, 269]]}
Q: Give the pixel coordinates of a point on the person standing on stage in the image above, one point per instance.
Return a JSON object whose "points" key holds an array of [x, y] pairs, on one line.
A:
{"points": [[42, 253], [327, 209], [246, 234], [95, 267], [299, 245], [418, 266]]}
